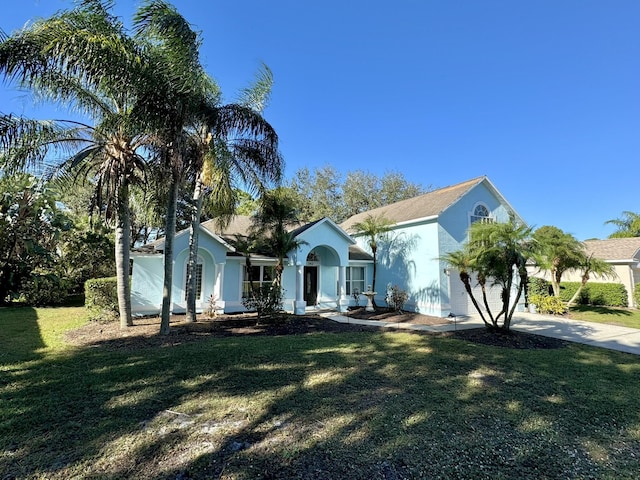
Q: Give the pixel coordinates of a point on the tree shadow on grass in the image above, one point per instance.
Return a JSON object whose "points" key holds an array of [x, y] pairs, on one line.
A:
{"points": [[360, 405], [20, 339]]}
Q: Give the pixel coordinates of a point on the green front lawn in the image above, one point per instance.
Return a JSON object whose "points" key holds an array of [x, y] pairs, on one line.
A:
{"points": [[626, 317], [326, 406]]}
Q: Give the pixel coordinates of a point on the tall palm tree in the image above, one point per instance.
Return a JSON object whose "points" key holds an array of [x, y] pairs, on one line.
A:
{"points": [[182, 93], [84, 58], [235, 144], [373, 228]]}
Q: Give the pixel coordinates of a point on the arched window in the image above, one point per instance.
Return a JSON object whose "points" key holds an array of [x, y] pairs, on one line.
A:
{"points": [[481, 214]]}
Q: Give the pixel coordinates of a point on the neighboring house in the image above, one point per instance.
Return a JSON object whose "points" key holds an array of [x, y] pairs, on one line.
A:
{"points": [[333, 261], [623, 254]]}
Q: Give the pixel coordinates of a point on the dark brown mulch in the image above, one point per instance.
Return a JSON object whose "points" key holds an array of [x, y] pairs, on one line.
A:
{"points": [[145, 332], [391, 316], [511, 339]]}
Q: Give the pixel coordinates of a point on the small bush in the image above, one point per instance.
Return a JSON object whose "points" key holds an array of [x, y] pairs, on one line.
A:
{"points": [[548, 304], [636, 295], [595, 293], [396, 298], [266, 300], [101, 299]]}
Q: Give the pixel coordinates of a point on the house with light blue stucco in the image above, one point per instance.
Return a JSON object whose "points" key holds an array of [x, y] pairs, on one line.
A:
{"points": [[333, 260]]}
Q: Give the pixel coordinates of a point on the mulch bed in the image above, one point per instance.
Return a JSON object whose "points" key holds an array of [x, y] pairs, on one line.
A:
{"points": [[145, 332]]}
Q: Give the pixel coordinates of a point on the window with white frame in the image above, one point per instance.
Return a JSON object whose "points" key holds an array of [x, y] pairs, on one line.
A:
{"points": [[481, 214], [260, 274], [355, 279]]}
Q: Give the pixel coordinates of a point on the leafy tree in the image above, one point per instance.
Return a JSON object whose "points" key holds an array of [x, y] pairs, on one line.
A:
{"points": [[30, 227], [373, 228], [364, 191], [84, 58], [628, 225], [557, 252], [496, 253], [319, 193], [325, 193]]}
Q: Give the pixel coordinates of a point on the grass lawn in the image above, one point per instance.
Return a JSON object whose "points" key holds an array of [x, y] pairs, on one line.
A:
{"points": [[321, 406], [626, 317]]}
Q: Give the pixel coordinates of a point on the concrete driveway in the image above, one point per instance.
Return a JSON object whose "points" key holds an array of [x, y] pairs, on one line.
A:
{"points": [[623, 339]]}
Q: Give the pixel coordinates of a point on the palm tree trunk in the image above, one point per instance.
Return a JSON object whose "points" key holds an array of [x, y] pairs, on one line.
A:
{"points": [[585, 279], [194, 233], [122, 255], [170, 234], [467, 286], [374, 250]]}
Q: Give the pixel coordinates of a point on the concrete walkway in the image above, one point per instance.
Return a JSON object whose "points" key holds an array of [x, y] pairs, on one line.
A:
{"points": [[623, 339]]}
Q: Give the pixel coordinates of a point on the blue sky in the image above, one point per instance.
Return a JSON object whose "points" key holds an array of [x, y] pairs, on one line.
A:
{"points": [[543, 97]]}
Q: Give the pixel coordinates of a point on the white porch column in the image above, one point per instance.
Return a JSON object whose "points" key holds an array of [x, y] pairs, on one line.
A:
{"points": [[343, 300], [218, 288], [299, 305]]}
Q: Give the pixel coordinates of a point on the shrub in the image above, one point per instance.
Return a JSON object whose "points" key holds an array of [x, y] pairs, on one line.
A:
{"points": [[101, 299], [43, 290], [265, 299], [396, 298], [636, 295], [548, 304], [539, 286], [606, 294]]}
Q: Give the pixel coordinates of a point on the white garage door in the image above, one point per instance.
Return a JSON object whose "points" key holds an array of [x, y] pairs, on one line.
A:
{"points": [[461, 303]]}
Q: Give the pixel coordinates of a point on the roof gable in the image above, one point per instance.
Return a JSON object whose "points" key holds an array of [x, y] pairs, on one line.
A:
{"points": [[309, 228], [428, 205]]}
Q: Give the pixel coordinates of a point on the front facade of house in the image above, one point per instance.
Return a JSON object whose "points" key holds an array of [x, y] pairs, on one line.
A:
{"points": [[333, 261], [322, 273]]}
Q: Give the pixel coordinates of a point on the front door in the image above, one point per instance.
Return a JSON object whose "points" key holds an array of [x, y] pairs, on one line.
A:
{"points": [[311, 285]]}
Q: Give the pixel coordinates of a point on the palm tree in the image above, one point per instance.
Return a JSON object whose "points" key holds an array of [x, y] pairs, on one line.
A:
{"points": [[500, 249], [628, 225], [592, 265], [494, 252], [373, 228], [557, 252], [181, 94], [235, 144], [83, 58], [276, 215]]}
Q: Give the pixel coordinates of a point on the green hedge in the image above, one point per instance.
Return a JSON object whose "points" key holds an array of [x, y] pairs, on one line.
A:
{"points": [[101, 299], [608, 294], [636, 295]]}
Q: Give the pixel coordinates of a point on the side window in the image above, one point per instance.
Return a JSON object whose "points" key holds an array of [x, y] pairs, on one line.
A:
{"points": [[354, 280]]}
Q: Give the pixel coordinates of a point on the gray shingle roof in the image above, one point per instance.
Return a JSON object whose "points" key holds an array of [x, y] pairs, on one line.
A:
{"points": [[426, 205], [615, 249]]}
